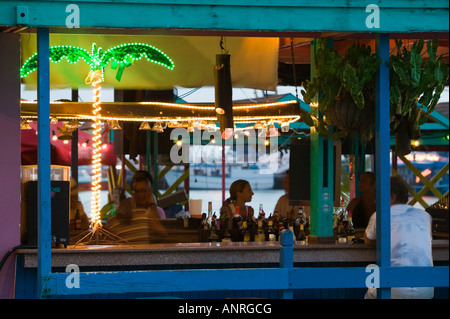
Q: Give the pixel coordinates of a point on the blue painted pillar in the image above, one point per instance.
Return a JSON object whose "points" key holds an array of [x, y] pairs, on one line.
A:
{"points": [[286, 258], [44, 199], [382, 163]]}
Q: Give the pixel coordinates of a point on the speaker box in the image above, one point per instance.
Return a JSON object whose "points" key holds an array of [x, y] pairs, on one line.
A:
{"points": [[60, 206]]}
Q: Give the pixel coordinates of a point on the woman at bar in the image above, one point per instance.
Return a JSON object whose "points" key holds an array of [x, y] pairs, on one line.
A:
{"points": [[240, 193], [364, 206]]}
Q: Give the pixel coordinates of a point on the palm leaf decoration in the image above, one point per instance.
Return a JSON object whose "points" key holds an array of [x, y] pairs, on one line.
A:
{"points": [[122, 55]]}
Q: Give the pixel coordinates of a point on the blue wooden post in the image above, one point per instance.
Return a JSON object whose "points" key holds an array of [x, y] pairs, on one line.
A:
{"points": [[44, 199], [287, 259], [382, 163]]}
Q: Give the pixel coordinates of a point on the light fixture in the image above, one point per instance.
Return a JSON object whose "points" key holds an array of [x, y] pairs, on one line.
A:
{"points": [[158, 127], [54, 137], [74, 124], [284, 127], [179, 142], [24, 125], [273, 132], [65, 136], [53, 120], [145, 126], [415, 143], [114, 125], [220, 110], [258, 126]]}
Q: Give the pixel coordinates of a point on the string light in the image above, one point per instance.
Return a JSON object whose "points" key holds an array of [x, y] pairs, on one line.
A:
{"points": [[95, 78], [123, 54]]}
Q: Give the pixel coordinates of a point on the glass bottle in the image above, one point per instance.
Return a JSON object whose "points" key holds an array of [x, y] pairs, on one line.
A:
{"points": [[246, 231], [350, 230], [270, 230], [301, 239]]}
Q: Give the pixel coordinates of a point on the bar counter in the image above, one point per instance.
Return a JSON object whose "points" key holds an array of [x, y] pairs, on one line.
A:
{"points": [[212, 255]]}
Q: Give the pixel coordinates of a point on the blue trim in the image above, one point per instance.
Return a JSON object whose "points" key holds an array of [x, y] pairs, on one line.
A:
{"points": [[382, 160], [44, 199]]}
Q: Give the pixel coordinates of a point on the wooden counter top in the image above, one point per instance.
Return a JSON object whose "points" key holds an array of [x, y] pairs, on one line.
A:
{"points": [[208, 253]]}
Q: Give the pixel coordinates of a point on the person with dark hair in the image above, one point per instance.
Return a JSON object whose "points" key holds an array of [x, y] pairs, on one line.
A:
{"points": [[142, 199], [240, 193], [410, 240], [362, 207]]}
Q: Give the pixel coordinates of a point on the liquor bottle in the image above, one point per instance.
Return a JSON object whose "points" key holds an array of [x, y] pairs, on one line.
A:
{"points": [[209, 218], [77, 219], [276, 225], [350, 230], [246, 231], [226, 238], [341, 235], [213, 237], [260, 236], [236, 228], [270, 230], [223, 219], [301, 239]]}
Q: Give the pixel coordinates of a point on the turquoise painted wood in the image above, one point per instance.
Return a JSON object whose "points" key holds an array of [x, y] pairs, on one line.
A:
{"points": [[248, 15], [322, 178], [44, 199], [382, 160]]}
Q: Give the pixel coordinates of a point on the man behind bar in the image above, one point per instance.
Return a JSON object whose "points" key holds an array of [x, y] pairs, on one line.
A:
{"points": [[410, 240]]}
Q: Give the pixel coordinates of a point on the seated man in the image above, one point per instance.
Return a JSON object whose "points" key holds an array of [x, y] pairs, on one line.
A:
{"points": [[410, 240]]}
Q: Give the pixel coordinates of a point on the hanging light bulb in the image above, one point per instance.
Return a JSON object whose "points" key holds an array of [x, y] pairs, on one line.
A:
{"points": [[114, 125], [54, 136], [24, 125], [53, 120], [145, 126], [285, 127], [273, 131]]}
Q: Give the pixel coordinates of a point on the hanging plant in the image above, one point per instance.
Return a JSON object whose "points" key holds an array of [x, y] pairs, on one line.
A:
{"points": [[344, 88], [415, 89]]}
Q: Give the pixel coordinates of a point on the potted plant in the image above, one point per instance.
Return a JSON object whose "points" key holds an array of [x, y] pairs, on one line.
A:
{"points": [[415, 89], [344, 88]]}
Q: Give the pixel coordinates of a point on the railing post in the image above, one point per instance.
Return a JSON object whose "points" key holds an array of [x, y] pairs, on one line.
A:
{"points": [[44, 198], [287, 259]]}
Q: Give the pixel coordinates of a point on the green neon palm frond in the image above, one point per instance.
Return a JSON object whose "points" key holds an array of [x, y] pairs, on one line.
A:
{"points": [[125, 54], [56, 54]]}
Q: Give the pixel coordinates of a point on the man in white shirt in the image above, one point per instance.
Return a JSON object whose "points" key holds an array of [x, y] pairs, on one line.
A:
{"points": [[410, 240]]}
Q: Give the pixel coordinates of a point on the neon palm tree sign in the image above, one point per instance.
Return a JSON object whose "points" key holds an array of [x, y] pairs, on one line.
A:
{"points": [[120, 57]]}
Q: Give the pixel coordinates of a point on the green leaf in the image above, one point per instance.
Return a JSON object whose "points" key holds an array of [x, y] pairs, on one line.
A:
{"points": [[416, 63]]}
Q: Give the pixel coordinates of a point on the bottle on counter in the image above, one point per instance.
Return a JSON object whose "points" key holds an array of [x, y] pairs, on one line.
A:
{"points": [[236, 228], [350, 230], [77, 219], [341, 236], [213, 237], [209, 218], [270, 230], [260, 236], [246, 232], [301, 239]]}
